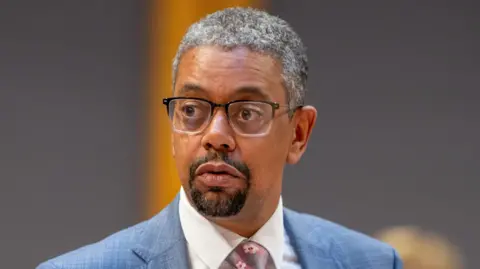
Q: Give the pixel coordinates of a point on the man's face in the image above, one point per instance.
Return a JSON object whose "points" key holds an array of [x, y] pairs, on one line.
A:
{"points": [[224, 172]]}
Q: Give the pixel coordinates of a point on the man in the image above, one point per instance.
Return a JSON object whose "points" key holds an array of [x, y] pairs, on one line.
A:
{"points": [[237, 115]]}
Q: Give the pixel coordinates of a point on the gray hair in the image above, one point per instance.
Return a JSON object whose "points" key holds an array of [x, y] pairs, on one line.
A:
{"points": [[259, 32]]}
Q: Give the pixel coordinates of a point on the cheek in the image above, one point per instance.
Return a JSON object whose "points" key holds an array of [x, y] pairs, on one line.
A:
{"points": [[184, 147], [266, 158]]}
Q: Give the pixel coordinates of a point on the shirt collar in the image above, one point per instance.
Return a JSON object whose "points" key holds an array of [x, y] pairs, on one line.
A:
{"points": [[199, 232], [271, 235]]}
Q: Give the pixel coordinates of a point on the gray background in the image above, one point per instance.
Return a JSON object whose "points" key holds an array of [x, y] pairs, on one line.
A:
{"points": [[396, 141], [71, 80]]}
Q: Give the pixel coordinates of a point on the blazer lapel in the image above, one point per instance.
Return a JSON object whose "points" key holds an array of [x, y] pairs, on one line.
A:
{"points": [[173, 258], [162, 244], [311, 254]]}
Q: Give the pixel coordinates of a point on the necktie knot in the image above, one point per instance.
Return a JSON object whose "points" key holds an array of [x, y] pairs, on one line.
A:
{"points": [[248, 255]]}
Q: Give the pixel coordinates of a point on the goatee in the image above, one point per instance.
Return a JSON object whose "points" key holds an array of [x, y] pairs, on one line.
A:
{"points": [[226, 204]]}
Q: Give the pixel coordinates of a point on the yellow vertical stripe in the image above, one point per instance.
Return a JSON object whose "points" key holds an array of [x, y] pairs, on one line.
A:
{"points": [[169, 19]]}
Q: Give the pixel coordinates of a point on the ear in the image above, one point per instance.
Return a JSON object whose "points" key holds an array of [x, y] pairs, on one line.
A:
{"points": [[304, 121]]}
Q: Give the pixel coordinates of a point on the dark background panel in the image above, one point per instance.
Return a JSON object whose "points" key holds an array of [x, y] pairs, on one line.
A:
{"points": [[71, 85]]}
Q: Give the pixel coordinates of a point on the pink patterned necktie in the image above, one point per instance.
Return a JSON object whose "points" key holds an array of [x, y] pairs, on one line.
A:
{"points": [[248, 255]]}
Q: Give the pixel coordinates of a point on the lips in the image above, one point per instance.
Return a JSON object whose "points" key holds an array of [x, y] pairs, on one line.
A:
{"points": [[214, 175], [218, 169]]}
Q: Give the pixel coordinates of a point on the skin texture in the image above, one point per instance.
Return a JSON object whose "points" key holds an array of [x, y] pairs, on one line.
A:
{"points": [[220, 76]]}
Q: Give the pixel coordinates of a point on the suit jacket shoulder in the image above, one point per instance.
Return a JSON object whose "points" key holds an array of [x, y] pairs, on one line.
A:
{"points": [[346, 248], [115, 251], [157, 241]]}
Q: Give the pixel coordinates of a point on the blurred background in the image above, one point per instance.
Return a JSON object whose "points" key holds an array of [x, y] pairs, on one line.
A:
{"points": [[84, 142]]}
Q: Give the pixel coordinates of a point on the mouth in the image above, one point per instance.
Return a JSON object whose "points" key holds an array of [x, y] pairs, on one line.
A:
{"points": [[216, 176]]}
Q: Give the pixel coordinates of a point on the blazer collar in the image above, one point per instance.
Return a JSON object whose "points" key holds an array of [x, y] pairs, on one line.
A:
{"points": [[161, 240]]}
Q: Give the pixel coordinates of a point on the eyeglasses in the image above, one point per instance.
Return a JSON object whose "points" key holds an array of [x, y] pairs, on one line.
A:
{"points": [[247, 118]]}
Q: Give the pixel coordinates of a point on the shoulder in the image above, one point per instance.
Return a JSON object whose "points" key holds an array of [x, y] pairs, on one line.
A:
{"points": [[344, 245], [126, 249], [113, 252]]}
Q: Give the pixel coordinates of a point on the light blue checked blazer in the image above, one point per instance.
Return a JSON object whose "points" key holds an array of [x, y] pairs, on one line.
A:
{"points": [[159, 243]]}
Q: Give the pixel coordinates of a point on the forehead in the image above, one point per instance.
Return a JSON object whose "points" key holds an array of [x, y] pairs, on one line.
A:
{"points": [[225, 74]]}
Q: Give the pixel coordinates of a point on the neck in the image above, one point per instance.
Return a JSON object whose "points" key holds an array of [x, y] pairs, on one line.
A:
{"points": [[247, 223]]}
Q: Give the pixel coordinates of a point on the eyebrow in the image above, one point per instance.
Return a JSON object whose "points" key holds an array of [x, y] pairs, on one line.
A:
{"points": [[190, 87], [252, 90]]}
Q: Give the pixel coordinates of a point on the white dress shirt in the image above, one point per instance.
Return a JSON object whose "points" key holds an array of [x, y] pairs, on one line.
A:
{"points": [[209, 244]]}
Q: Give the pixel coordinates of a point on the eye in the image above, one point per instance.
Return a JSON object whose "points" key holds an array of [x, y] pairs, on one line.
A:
{"points": [[250, 113], [189, 110], [246, 114], [193, 109]]}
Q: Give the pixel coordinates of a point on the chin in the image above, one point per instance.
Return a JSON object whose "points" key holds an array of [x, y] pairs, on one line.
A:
{"points": [[218, 202]]}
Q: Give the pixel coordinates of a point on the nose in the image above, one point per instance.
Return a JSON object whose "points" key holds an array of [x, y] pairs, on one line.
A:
{"points": [[219, 135]]}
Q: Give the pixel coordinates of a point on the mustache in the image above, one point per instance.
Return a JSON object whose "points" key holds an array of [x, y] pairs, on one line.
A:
{"points": [[223, 157]]}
